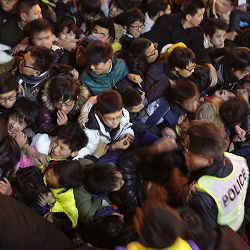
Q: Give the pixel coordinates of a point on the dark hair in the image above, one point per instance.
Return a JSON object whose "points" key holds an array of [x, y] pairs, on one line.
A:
{"points": [[100, 178], [10, 155], [237, 58], [8, 82], [190, 7], [43, 58], [130, 16], [209, 26], [156, 6], [72, 135], [63, 87], [126, 4], [108, 24], [25, 5], [158, 224], [184, 89], [180, 57], [98, 51], [156, 168], [243, 39], [201, 77], [26, 110], [109, 231], [130, 97], [207, 139], [36, 26], [195, 229], [71, 26], [234, 111], [70, 173], [93, 6], [109, 101], [135, 57]]}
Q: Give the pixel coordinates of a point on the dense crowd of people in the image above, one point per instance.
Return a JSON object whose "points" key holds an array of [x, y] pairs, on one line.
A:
{"points": [[124, 124]]}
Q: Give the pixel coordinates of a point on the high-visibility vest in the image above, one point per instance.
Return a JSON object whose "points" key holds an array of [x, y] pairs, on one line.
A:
{"points": [[229, 193]]}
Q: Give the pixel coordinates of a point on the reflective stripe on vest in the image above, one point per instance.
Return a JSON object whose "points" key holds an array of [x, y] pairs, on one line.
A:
{"points": [[229, 193]]}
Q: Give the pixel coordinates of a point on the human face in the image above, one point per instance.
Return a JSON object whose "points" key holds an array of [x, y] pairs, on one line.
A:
{"points": [[15, 125], [101, 68], [8, 5], [135, 29], [65, 106], [101, 33], [52, 179], [187, 72], [43, 38], [151, 53], [191, 104], [60, 150], [34, 13], [26, 65], [195, 162], [223, 94], [7, 100], [114, 10], [120, 182], [67, 34], [218, 38], [196, 19], [112, 120], [240, 74], [223, 6]]}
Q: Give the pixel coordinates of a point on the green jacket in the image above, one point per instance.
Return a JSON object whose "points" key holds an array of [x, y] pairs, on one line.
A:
{"points": [[97, 83], [85, 204]]}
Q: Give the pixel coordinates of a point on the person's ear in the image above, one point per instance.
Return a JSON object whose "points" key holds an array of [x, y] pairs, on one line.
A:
{"points": [[23, 16], [74, 154], [188, 17]]}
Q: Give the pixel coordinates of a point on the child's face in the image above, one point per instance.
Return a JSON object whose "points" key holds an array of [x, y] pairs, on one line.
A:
{"points": [[112, 120], [7, 100], [15, 125], [65, 106], [60, 150], [187, 72], [223, 6], [43, 38], [191, 104], [101, 33], [8, 5], [114, 10], [135, 28], [67, 35], [52, 179], [218, 38], [26, 65], [101, 68], [151, 53]]}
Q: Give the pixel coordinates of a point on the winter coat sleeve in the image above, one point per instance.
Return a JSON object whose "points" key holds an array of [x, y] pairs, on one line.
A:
{"points": [[46, 121]]}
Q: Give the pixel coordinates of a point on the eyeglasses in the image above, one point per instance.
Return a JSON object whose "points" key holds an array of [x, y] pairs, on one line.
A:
{"points": [[192, 68], [8, 99], [137, 27]]}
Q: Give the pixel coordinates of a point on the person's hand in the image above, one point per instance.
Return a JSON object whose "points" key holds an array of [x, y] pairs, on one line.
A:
{"points": [[19, 47], [21, 90], [46, 199], [93, 99], [75, 74], [62, 118], [5, 187], [124, 143], [39, 159], [20, 138], [241, 133], [83, 118], [49, 217], [213, 75], [135, 78], [101, 149]]}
